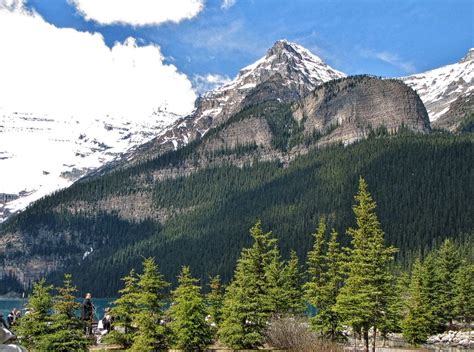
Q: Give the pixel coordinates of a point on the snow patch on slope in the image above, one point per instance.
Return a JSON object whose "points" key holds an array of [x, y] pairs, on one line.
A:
{"points": [[40, 153], [438, 88]]}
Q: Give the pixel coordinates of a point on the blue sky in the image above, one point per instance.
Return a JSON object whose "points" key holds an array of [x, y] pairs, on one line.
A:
{"points": [[381, 37]]}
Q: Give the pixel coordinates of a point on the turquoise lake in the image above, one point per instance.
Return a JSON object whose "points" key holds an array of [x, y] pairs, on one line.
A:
{"points": [[7, 304]]}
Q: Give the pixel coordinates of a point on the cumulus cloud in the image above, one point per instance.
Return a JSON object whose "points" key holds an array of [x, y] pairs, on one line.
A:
{"points": [[227, 4], [63, 71], [204, 83], [138, 12]]}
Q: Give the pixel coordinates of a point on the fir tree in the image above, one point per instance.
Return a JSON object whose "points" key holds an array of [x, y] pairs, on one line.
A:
{"points": [[125, 308], [291, 287], [363, 301], [395, 305], [152, 334], [247, 305], [65, 333], [215, 300], [34, 325], [464, 293], [188, 312], [417, 323], [447, 263], [324, 282]]}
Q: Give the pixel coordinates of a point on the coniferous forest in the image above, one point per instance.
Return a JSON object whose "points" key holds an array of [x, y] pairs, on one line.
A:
{"points": [[423, 185], [356, 291]]}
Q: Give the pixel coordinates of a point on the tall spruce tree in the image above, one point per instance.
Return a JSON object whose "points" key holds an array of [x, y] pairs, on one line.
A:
{"points": [[65, 333], [464, 293], [363, 300], [36, 323], [125, 308], [417, 324], [447, 261], [291, 279], [152, 334], [191, 331], [247, 304], [215, 301], [324, 282]]}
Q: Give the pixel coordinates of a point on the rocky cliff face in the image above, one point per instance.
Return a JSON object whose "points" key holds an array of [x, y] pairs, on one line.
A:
{"points": [[441, 87], [287, 72], [346, 110]]}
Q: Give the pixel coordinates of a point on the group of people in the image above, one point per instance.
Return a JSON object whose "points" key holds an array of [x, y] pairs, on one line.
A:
{"points": [[88, 314], [12, 318]]}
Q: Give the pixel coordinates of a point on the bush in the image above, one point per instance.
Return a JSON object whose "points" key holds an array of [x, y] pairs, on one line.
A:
{"points": [[293, 334]]}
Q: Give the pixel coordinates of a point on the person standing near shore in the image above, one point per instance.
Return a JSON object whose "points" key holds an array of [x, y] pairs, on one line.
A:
{"points": [[87, 313]]}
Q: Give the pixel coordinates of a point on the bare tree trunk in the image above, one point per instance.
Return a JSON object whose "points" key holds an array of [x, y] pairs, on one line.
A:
{"points": [[375, 338]]}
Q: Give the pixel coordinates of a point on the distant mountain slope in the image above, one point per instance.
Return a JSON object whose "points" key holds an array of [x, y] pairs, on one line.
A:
{"points": [[40, 154], [122, 208], [441, 87], [292, 70]]}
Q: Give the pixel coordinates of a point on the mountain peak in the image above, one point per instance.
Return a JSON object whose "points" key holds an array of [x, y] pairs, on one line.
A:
{"points": [[285, 46], [469, 56], [291, 59]]}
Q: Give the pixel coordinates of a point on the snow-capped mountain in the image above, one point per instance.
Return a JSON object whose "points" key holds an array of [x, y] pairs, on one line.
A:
{"points": [[440, 87], [40, 154], [293, 69]]}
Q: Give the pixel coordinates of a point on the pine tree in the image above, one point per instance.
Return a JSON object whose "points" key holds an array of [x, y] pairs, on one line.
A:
{"points": [[247, 304], [65, 333], [417, 323], [362, 302], [151, 333], [35, 324], [215, 301], [125, 308], [464, 293], [447, 263], [431, 284], [395, 305], [322, 292], [188, 312], [291, 287]]}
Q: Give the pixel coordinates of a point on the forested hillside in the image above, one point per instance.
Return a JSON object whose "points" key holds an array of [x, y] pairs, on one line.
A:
{"points": [[423, 185]]}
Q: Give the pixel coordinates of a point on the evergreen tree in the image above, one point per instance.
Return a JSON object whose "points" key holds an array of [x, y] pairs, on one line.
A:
{"points": [[247, 305], [363, 301], [431, 284], [151, 333], [464, 293], [447, 263], [292, 301], [417, 323], [35, 324], [316, 264], [125, 308], [188, 312], [65, 333], [396, 303], [324, 282], [215, 300]]}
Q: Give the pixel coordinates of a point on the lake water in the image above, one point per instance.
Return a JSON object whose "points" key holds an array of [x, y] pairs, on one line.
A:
{"points": [[7, 304]]}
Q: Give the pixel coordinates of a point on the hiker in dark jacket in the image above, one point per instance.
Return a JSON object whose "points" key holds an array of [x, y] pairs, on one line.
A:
{"points": [[87, 313]]}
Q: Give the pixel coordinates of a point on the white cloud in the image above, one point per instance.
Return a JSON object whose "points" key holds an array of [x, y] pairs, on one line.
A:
{"points": [[394, 60], [226, 4], [389, 58], [66, 72], [204, 83], [138, 12]]}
